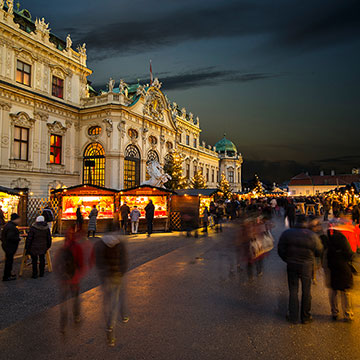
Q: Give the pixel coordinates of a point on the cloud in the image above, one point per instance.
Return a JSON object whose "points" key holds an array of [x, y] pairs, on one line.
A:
{"points": [[282, 24], [201, 77]]}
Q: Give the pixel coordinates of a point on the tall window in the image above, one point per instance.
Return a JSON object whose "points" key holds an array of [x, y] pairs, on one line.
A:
{"points": [[195, 143], [213, 176], [231, 176], [132, 167], [152, 156], [55, 149], [207, 175], [23, 73], [58, 87], [187, 140], [187, 171], [94, 165], [195, 169], [21, 143], [239, 177]]}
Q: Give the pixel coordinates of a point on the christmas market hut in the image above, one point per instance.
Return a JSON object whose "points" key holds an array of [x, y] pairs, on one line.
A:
{"points": [[139, 196], [85, 196], [13, 201], [191, 202]]}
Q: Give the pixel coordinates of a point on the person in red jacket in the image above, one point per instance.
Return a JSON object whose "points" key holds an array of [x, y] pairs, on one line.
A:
{"points": [[70, 268]]}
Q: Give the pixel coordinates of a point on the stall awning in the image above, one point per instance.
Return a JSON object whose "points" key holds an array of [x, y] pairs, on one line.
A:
{"points": [[146, 190], [197, 192], [84, 190], [9, 191]]}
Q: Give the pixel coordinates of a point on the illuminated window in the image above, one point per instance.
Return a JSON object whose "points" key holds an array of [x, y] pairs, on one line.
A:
{"points": [[94, 165], [55, 149], [57, 87], [133, 134], [152, 140], [23, 73], [131, 167], [94, 130], [151, 156], [21, 143]]}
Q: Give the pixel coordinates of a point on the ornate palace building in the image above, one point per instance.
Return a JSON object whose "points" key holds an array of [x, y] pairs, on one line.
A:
{"points": [[56, 131]]}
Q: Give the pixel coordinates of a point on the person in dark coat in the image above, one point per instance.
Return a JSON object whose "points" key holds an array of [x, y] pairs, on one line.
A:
{"points": [[38, 242], [290, 213], [150, 212], [112, 263], [48, 214], [10, 241], [92, 221], [339, 256], [2, 217], [298, 247], [79, 218], [124, 212]]}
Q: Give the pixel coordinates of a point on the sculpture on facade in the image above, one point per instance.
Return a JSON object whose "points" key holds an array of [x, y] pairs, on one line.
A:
{"points": [[111, 85], [42, 26], [10, 5], [68, 42], [82, 49], [157, 175]]}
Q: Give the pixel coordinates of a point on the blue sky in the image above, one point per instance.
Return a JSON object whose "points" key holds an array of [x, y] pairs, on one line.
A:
{"points": [[280, 77]]}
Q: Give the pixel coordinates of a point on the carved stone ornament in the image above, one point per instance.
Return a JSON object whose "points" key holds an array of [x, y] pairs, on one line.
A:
{"points": [[25, 55], [10, 5], [157, 84], [5, 105], [108, 126], [42, 27], [56, 184], [20, 183], [183, 113], [22, 119], [57, 128], [154, 105], [41, 115], [141, 91]]}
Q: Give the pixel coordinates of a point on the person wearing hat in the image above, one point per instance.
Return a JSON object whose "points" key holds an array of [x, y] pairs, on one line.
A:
{"points": [[10, 241], [37, 244]]}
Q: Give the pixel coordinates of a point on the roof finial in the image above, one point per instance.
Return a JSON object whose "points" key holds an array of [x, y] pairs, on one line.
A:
{"points": [[18, 6], [224, 134]]}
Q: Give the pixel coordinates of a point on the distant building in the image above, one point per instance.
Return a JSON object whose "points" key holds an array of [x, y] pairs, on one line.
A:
{"points": [[305, 184]]}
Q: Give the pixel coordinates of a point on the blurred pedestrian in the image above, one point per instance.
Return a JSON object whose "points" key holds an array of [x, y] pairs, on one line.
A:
{"points": [[124, 211], [355, 214], [92, 221], [112, 263], [327, 208], [134, 217], [339, 256], [290, 212], [298, 247], [38, 242], [48, 215], [150, 212], [69, 266], [220, 212], [79, 218], [205, 219], [10, 241], [212, 211], [2, 220]]}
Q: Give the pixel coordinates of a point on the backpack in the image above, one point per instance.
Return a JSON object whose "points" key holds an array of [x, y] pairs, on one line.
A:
{"points": [[65, 264]]}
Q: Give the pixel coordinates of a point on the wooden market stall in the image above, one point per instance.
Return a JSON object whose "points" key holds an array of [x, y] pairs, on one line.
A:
{"points": [[13, 201], [140, 197], [191, 202], [86, 196]]}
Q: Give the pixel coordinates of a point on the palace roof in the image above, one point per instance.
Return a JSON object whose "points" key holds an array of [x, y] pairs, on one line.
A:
{"points": [[324, 180], [225, 145]]}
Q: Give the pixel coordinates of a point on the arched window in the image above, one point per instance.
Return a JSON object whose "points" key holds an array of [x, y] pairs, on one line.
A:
{"points": [[94, 165], [168, 158], [132, 167], [151, 156], [169, 145]]}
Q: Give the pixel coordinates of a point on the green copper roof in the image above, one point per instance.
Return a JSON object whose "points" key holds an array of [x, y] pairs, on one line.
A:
{"points": [[225, 145]]}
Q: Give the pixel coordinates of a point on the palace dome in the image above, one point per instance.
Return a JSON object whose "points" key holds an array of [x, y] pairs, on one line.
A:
{"points": [[226, 147]]}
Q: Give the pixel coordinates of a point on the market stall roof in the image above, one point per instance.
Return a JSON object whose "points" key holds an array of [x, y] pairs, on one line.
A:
{"points": [[85, 189], [356, 186], [197, 192], [9, 191], [146, 189]]}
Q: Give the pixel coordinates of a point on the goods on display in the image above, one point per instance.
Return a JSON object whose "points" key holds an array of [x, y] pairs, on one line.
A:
{"points": [[160, 203], [9, 204], [204, 202], [104, 204]]}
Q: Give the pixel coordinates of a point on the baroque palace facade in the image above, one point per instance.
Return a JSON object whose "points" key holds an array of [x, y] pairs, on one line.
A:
{"points": [[56, 131]]}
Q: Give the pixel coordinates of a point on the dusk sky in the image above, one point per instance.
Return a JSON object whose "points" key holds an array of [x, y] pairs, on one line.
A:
{"points": [[280, 77]]}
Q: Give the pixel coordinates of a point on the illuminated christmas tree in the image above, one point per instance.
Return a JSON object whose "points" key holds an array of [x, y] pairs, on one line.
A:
{"points": [[258, 186], [198, 181], [224, 186], [174, 167]]}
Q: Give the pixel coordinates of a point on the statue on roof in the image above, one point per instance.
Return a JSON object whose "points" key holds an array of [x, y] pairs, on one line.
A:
{"points": [[82, 49], [183, 112], [42, 26], [156, 84], [68, 42], [122, 86], [10, 6], [141, 90], [111, 84], [197, 121], [191, 117]]}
